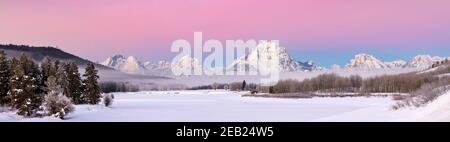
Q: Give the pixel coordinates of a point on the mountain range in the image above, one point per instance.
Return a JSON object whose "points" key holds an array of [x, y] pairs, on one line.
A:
{"points": [[264, 52], [368, 62]]}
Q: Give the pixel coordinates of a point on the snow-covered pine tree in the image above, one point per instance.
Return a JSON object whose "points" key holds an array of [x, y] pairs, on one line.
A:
{"points": [[45, 71], [91, 87], [61, 78], [53, 88], [53, 68], [14, 62], [26, 95], [244, 84], [74, 87], [17, 83], [4, 78]]}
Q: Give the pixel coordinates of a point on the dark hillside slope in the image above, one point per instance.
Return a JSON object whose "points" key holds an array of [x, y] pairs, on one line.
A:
{"points": [[38, 53]]}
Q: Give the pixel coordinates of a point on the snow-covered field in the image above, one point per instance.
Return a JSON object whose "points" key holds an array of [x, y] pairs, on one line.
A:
{"points": [[224, 106]]}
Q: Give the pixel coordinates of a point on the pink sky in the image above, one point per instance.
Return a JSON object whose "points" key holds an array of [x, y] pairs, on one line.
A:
{"points": [[146, 28]]}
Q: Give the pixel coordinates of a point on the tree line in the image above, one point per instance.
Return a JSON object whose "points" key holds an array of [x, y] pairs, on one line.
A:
{"points": [[233, 86], [110, 86], [333, 83], [50, 88]]}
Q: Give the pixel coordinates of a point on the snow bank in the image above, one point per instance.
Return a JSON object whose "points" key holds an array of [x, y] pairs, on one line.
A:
{"points": [[13, 117], [438, 110]]}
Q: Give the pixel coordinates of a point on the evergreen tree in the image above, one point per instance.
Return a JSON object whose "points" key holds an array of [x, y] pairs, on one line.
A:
{"points": [[74, 90], [25, 93], [53, 88], [4, 78], [61, 78], [53, 68], [91, 87], [244, 84], [45, 70], [14, 62]]}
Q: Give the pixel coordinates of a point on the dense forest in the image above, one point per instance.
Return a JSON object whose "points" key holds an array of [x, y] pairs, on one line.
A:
{"points": [[50, 88]]}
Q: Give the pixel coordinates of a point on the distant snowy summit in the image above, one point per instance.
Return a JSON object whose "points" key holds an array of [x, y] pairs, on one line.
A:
{"points": [[127, 65], [186, 62], [396, 64], [132, 65], [425, 61], [369, 62], [162, 64], [266, 52], [365, 61]]}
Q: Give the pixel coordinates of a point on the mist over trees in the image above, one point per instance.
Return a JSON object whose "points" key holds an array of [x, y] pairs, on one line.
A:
{"points": [[234, 86], [48, 89], [109, 86]]}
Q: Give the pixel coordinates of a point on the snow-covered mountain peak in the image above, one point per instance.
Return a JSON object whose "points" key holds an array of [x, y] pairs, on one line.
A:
{"points": [[265, 52], [365, 61], [113, 61], [132, 59], [396, 64], [186, 63], [129, 65], [162, 64], [422, 61], [132, 66]]}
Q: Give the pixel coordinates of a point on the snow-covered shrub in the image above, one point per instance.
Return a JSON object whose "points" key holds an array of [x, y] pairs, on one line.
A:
{"points": [[226, 87], [108, 99], [58, 105]]}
